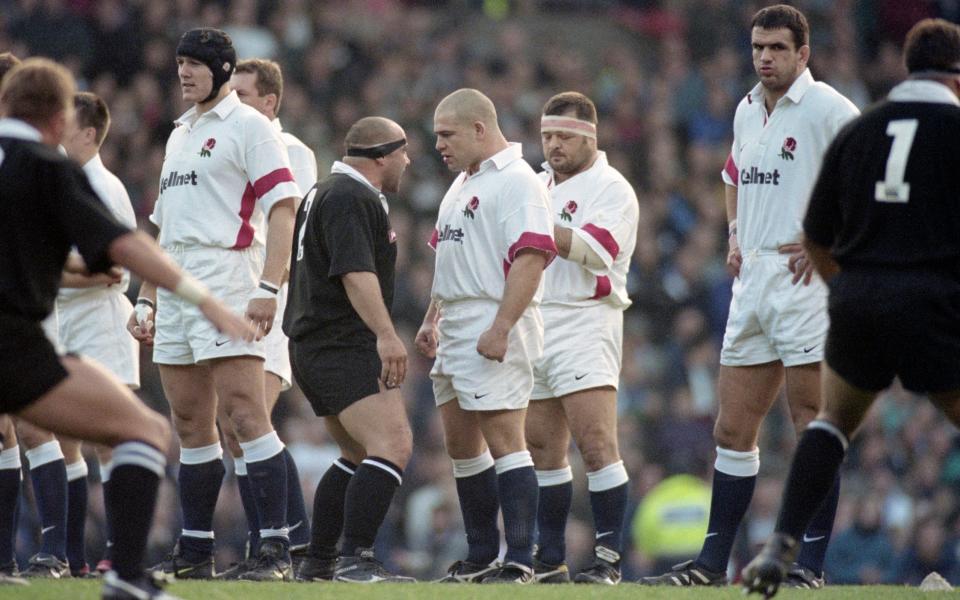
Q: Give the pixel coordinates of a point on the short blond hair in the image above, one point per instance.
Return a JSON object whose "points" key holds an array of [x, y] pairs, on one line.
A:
{"points": [[269, 76], [36, 90]]}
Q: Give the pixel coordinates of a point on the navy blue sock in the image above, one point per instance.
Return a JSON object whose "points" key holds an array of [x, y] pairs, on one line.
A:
{"points": [[108, 528], [552, 510], [9, 495], [298, 523], [812, 475], [268, 481], [76, 522], [250, 510], [135, 478], [519, 493], [199, 489], [729, 503], [368, 498], [328, 508], [817, 537], [479, 505], [50, 490], [609, 509]]}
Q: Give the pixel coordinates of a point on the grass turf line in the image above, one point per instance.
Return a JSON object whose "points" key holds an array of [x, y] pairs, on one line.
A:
{"points": [[219, 590]]}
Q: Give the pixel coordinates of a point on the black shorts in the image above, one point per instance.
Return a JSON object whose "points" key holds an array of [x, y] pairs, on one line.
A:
{"points": [[29, 364], [888, 323], [334, 377]]}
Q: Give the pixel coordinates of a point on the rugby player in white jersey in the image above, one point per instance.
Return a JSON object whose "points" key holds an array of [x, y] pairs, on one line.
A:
{"points": [[493, 239], [778, 319], [595, 216], [225, 175]]}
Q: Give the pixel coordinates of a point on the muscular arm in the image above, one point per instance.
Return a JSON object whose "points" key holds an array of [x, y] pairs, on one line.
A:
{"points": [[279, 240], [428, 338], [822, 260], [521, 285], [363, 291], [562, 237], [734, 258]]}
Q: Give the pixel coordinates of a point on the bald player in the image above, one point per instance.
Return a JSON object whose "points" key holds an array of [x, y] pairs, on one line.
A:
{"points": [[493, 239], [344, 349]]}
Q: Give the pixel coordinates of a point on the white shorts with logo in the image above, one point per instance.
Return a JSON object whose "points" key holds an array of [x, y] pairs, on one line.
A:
{"points": [[183, 335], [771, 318], [95, 325], [582, 349], [461, 373], [278, 346]]}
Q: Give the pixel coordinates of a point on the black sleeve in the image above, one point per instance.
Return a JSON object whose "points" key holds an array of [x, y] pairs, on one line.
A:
{"points": [[823, 213], [88, 223], [347, 228]]}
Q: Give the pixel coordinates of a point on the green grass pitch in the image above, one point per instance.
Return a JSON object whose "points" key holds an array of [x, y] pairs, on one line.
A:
{"points": [[90, 590]]}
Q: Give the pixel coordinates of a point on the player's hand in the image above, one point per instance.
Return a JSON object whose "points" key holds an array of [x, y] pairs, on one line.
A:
{"points": [[734, 257], [261, 311], [427, 340], [799, 263], [393, 357], [228, 322], [140, 324], [115, 274], [492, 344]]}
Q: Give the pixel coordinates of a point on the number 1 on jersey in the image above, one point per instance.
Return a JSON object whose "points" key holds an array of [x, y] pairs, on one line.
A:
{"points": [[893, 188]]}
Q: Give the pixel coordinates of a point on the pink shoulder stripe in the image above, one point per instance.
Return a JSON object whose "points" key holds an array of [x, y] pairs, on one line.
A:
{"points": [[271, 180], [605, 238], [538, 241], [730, 168]]}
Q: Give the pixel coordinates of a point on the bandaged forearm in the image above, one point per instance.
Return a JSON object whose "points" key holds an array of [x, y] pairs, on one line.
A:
{"points": [[191, 290], [582, 254]]}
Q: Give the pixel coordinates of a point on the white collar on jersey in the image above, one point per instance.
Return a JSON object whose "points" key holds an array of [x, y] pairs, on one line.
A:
{"points": [[94, 164], [21, 130], [601, 162], [796, 92], [922, 90], [512, 152], [276, 124], [221, 109], [345, 169]]}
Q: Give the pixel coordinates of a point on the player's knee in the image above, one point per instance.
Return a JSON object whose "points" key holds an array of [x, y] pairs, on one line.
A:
{"points": [[397, 446], [733, 435], [598, 450]]}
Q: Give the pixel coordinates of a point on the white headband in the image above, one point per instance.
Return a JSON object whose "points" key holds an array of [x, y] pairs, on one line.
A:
{"points": [[568, 125]]}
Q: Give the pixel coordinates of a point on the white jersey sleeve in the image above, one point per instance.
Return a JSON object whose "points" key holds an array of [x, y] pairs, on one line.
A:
{"points": [[268, 165], [600, 207]]}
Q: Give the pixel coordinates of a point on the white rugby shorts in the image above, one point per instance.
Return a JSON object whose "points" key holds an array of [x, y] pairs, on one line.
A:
{"points": [[95, 325], [773, 319], [582, 349], [461, 373], [183, 335], [278, 345]]}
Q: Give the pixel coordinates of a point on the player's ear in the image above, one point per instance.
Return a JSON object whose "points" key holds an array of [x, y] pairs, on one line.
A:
{"points": [[479, 129], [804, 54]]}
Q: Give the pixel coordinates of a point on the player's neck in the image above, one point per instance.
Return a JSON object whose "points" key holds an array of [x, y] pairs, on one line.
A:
{"points": [[495, 146], [84, 156], [203, 107]]}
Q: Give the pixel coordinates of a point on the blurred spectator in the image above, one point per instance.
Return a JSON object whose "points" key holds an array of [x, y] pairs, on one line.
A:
{"points": [[862, 554]]}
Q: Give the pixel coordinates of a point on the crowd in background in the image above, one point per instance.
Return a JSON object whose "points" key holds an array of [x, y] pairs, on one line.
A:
{"points": [[666, 77]]}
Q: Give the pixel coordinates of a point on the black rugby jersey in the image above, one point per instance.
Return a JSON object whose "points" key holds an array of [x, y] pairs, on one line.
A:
{"points": [[46, 206], [888, 193], [341, 227]]}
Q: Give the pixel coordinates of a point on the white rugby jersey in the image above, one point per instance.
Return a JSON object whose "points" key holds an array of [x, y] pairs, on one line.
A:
{"points": [[222, 173], [600, 207], [114, 195], [776, 158], [484, 220], [303, 162]]}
